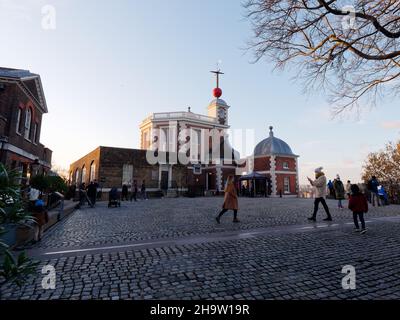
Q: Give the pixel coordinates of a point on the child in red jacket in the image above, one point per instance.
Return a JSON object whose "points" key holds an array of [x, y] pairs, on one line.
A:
{"points": [[359, 205]]}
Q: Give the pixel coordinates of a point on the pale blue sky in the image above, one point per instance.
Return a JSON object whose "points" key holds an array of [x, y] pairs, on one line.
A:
{"points": [[109, 64]]}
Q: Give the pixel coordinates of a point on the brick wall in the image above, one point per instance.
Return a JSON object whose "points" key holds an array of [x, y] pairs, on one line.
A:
{"points": [[11, 99], [262, 164]]}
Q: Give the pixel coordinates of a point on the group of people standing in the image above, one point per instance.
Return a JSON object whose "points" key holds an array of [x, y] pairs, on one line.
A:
{"points": [[339, 191], [88, 193], [134, 191], [358, 202]]}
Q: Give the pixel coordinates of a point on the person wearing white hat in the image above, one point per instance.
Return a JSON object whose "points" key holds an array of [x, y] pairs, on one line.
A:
{"points": [[320, 193]]}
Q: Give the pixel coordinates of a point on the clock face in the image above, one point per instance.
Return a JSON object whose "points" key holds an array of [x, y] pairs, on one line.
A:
{"points": [[221, 113]]}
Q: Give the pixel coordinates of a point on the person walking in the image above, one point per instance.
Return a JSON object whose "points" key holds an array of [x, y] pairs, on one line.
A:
{"points": [[134, 191], [124, 193], [331, 189], [339, 191], [383, 195], [41, 218], [348, 189], [230, 201], [373, 187], [320, 193], [143, 191], [358, 204], [92, 192]]}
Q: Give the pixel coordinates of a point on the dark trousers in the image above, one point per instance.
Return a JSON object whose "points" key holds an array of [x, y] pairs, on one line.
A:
{"points": [[356, 216], [316, 205], [134, 196], [226, 210], [92, 199]]}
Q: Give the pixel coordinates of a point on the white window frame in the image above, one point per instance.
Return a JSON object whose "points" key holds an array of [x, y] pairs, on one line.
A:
{"points": [[195, 147], [28, 123], [19, 116], [285, 165], [286, 185]]}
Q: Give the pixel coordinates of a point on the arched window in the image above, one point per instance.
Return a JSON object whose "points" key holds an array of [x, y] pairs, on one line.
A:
{"points": [[77, 176], [92, 171], [28, 122], [83, 178], [19, 121]]}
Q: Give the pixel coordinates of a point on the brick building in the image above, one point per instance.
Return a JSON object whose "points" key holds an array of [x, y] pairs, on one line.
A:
{"points": [[184, 151], [113, 167], [198, 157], [22, 105], [274, 158]]}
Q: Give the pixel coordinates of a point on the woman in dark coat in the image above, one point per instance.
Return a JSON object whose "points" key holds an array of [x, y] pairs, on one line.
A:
{"points": [[230, 200], [339, 191]]}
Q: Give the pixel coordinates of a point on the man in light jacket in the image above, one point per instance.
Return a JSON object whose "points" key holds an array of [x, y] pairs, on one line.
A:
{"points": [[320, 193]]}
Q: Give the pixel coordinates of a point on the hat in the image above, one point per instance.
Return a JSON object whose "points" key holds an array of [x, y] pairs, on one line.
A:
{"points": [[318, 170]]}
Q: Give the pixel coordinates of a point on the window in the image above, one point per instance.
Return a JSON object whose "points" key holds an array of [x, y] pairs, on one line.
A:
{"points": [[28, 121], [286, 185], [35, 133], [197, 169], [77, 176], [83, 177], [127, 173], [92, 174], [19, 122], [164, 139], [285, 165], [195, 145]]}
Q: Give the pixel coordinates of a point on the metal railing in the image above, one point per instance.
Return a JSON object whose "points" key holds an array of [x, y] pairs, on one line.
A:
{"points": [[175, 115]]}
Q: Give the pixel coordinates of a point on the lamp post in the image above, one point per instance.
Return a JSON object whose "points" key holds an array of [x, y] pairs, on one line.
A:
{"points": [[35, 167]]}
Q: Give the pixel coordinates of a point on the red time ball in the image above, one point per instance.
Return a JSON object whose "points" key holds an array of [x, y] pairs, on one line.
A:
{"points": [[217, 92]]}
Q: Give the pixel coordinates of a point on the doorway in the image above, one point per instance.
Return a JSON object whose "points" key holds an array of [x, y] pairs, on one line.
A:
{"points": [[164, 180]]}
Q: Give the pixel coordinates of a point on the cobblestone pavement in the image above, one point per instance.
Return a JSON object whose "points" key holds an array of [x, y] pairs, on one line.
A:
{"points": [[292, 261]]}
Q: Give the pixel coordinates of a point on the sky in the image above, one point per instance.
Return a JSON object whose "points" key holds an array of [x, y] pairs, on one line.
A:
{"points": [[107, 65]]}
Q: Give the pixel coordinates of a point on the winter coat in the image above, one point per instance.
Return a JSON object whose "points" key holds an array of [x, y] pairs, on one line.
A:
{"points": [[231, 198], [373, 185], [339, 189], [320, 187], [358, 203]]}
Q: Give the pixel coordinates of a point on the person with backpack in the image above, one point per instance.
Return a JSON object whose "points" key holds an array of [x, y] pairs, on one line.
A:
{"points": [[373, 187], [358, 204], [339, 191]]}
